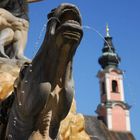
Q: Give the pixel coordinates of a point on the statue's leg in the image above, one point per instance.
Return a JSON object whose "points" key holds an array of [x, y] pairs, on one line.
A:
{"points": [[6, 37], [20, 38]]}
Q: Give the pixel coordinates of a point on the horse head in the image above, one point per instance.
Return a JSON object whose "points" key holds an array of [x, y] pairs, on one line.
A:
{"points": [[64, 33]]}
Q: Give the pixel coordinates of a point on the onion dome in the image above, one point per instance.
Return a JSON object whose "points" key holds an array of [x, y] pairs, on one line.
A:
{"points": [[109, 57]]}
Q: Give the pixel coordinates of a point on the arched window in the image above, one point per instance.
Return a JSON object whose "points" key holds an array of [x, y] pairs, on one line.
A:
{"points": [[114, 86], [103, 88]]}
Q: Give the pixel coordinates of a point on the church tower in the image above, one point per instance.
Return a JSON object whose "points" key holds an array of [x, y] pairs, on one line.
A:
{"points": [[113, 110]]}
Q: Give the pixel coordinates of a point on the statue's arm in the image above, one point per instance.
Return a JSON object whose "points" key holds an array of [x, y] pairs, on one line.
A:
{"points": [[15, 22]]}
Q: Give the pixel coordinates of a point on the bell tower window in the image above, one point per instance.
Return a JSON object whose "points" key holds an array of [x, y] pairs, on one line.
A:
{"points": [[103, 88], [114, 86]]}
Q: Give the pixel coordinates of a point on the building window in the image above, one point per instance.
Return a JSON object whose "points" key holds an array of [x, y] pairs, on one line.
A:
{"points": [[114, 86], [103, 88]]}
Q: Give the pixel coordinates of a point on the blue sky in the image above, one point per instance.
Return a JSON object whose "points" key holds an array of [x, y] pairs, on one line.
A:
{"points": [[123, 17]]}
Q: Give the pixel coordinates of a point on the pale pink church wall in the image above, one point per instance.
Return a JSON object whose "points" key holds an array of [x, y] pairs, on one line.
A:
{"points": [[118, 119], [115, 96]]}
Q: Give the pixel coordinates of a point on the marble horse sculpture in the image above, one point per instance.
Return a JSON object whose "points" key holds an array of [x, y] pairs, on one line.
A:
{"points": [[13, 28], [44, 89]]}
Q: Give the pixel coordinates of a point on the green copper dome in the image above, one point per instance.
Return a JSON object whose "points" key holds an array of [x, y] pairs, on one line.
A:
{"points": [[109, 57]]}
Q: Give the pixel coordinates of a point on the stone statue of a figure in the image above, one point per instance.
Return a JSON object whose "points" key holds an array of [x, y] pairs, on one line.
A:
{"points": [[14, 23]]}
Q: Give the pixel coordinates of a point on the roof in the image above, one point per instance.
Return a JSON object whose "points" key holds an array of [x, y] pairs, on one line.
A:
{"points": [[98, 131]]}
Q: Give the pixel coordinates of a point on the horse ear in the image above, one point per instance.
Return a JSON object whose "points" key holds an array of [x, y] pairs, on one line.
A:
{"points": [[51, 14]]}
